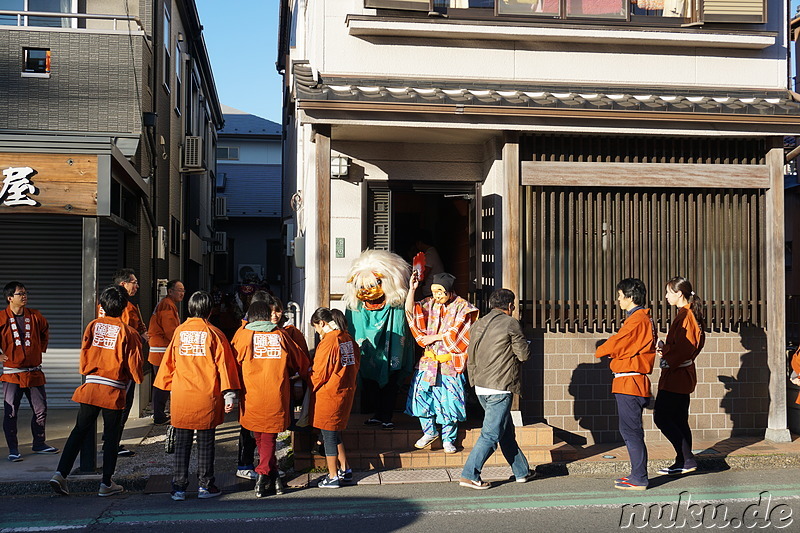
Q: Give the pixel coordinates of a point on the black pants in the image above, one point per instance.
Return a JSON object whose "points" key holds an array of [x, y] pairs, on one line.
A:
{"points": [[380, 399], [247, 449], [112, 430], [159, 399], [129, 395], [671, 416]]}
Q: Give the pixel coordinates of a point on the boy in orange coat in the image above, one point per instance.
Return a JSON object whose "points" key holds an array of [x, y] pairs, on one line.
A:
{"points": [[163, 323], [632, 350], [268, 358], [200, 370], [333, 379], [24, 334], [111, 357]]}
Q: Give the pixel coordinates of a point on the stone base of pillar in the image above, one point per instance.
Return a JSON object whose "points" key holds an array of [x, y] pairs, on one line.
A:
{"points": [[778, 435]]}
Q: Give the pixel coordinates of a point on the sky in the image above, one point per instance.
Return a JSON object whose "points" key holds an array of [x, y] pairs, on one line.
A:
{"points": [[242, 41]]}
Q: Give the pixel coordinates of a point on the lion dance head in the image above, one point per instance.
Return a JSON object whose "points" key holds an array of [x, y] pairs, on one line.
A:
{"points": [[377, 276]]}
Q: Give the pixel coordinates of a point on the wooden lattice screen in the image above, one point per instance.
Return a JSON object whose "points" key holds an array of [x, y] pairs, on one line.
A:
{"points": [[579, 242]]}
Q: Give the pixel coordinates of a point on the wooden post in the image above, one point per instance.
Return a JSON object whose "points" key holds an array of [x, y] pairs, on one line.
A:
{"points": [[89, 264], [323, 209], [777, 430]]}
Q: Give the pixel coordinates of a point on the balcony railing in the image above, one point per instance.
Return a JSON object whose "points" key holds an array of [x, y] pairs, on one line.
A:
{"points": [[23, 18]]}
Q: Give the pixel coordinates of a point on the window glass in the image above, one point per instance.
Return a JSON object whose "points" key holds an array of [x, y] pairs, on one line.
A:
{"points": [[167, 65], [529, 7], [54, 6], [598, 8], [10, 5], [37, 60]]}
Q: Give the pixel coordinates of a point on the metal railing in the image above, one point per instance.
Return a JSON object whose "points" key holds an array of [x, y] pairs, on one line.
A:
{"points": [[23, 16]]}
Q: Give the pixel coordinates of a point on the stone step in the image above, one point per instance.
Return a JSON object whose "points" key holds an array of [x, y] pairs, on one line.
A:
{"points": [[413, 458]]}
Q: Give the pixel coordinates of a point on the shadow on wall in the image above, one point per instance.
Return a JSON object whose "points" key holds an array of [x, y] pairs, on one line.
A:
{"points": [[593, 405], [746, 400]]}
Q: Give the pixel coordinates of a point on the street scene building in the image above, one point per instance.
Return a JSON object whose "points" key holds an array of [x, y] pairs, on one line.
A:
{"points": [[554, 148], [108, 124]]}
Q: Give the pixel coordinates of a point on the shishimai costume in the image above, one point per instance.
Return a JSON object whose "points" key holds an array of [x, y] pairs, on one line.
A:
{"points": [[376, 290]]}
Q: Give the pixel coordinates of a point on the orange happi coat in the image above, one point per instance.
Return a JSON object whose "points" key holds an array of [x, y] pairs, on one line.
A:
{"points": [[796, 368], [24, 350], [297, 336], [267, 360], [130, 316], [163, 323], [685, 340], [333, 379], [113, 350], [632, 349], [197, 367]]}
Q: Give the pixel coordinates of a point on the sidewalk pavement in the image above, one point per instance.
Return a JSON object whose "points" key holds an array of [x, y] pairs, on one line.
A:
{"points": [[31, 475]]}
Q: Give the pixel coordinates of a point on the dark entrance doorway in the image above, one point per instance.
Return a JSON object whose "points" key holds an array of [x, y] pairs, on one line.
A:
{"points": [[400, 212]]}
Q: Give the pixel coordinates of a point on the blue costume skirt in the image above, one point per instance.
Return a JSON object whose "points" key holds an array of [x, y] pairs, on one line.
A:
{"points": [[443, 402]]}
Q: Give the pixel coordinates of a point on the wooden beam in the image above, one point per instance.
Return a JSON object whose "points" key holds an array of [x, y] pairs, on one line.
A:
{"points": [[777, 430], [510, 219], [323, 213], [577, 174]]}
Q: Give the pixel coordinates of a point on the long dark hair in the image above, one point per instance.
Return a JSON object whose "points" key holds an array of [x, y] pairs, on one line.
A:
{"points": [[684, 286], [325, 315]]}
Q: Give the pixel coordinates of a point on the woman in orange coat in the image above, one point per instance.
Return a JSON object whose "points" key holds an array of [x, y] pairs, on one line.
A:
{"points": [[268, 357], [200, 370], [685, 339], [333, 379]]}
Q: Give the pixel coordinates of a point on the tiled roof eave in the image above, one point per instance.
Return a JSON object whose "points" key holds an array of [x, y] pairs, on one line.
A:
{"points": [[715, 102]]}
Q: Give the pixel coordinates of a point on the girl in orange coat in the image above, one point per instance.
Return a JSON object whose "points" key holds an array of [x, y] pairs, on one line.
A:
{"points": [[268, 357], [200, 370], [333, 379], [678, 378]]}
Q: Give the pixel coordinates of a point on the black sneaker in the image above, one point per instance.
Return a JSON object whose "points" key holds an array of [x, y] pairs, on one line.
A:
{"points": [[212, 491], [125, 452], [373, 422], [328, 483]]}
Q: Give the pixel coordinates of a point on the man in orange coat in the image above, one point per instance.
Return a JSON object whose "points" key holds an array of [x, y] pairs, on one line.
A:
{"points": [[23, 337], [632, 351], [268, 358], [111, 357], [163, 323], [126, 278], [200, 370]]}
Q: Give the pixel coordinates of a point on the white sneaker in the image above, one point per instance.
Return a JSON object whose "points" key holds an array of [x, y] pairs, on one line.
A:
{"points": [[246, 473], [108, 490], [449, 447], [425, 441]]}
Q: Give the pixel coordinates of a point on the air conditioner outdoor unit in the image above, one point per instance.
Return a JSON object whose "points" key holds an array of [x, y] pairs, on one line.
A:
{"points": [[221, 207], [221, 241], [193, 152]]}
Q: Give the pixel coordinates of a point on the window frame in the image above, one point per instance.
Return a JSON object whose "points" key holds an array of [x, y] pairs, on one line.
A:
{"points": [[229, 158], [35, 73], [166, 44], [178, 78]]}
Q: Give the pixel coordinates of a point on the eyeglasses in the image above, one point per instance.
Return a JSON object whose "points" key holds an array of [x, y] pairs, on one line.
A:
{"points": [[134, 282]]}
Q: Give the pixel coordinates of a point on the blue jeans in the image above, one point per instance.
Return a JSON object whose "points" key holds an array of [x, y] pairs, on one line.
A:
{"points": [[498, 428]]}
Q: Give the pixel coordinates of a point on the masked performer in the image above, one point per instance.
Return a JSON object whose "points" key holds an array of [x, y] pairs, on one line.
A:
{"points": [[376, 289]]}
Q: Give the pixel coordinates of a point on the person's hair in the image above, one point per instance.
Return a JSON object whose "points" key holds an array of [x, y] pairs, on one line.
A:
{"points": [[259, 311], [171, 284], [199, 304], [683, 286], [260, 296], [11, 288], [501, 299], [113, 300], [634, 289], [123, 275], [325, 315]]}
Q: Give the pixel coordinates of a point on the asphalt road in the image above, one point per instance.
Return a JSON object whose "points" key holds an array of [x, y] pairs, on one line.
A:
{"points": [[735, 500]]}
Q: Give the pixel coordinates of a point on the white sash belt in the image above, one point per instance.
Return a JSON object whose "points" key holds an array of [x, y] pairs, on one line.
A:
{"points": [[100, 380], [7, 370], [626, 374], [689, 362], [158, 349]]}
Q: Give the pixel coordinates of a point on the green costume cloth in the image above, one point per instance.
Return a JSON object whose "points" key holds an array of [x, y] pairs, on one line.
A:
{"points": [[385, 341]]}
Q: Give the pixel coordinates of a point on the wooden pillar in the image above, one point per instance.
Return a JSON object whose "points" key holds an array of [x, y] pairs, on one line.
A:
{"points": [[777, 430], [323, 209], [89, 267], [511, 217]]}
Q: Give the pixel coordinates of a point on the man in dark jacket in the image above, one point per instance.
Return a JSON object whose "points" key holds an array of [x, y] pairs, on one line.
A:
{"points": [[497, 348]]}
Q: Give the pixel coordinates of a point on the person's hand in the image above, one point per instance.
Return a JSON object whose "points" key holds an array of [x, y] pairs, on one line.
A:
{"points": [[3, 358], [796, 381], [427, 340], [413, 283]]}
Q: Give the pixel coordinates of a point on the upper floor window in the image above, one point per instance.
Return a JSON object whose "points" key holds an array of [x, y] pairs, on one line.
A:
{"points": [[228, 153], [36, 62], [165, 50], [48, 6], [745, 11], [178, 78]]}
